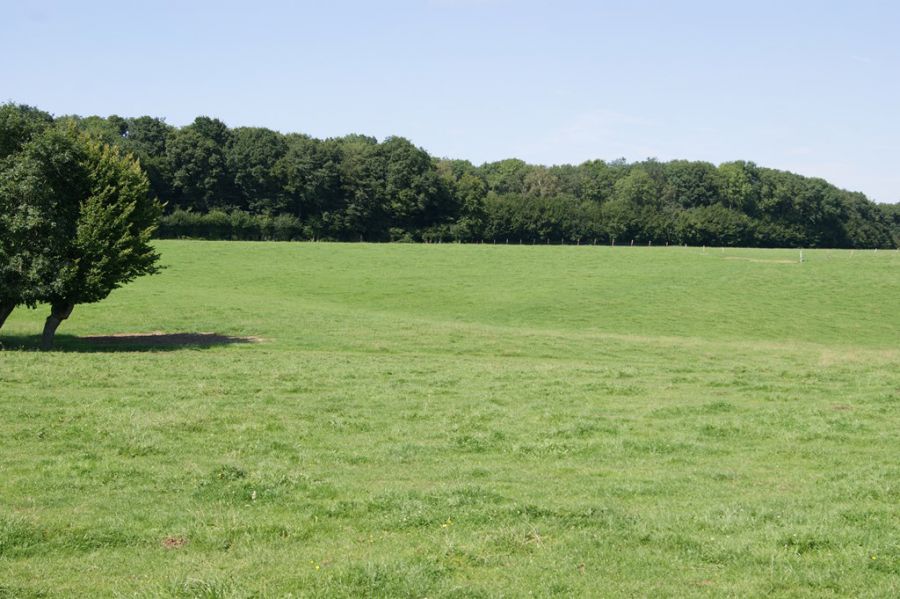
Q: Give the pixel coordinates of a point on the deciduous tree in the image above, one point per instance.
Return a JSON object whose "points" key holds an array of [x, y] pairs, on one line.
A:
{"points": [[108, 224]]}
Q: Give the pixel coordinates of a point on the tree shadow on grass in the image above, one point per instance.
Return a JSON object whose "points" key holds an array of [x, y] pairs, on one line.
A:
{"points": [[136, 342]]}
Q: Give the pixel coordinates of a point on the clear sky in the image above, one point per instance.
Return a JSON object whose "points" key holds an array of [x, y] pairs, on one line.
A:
{"points": [[811, 87]]}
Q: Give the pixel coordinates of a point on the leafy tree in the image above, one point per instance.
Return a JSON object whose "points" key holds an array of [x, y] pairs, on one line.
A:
{"points": [[18, 124], [597, 179], [39, 192], [145, 138], [310, 172], [22, 230], [252, 156], [568, 179], [892, 221], [689, 184], [467, 190], [109, 130], [635, 200], [541, 181], [89, 209], [415, 193], [739, 185], [365, 213], [111, 241], [506, 176], [866, 224], [198, 155], [21, 250]]}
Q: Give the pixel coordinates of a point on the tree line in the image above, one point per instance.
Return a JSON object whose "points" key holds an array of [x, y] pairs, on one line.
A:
{"points": [[256, 183], [76, 216]]}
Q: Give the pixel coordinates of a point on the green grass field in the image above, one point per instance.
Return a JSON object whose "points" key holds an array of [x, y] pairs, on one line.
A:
{"points": [[462, 421]]}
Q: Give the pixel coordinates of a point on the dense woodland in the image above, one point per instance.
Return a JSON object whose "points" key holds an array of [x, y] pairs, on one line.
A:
{"points": [[255, 183]]}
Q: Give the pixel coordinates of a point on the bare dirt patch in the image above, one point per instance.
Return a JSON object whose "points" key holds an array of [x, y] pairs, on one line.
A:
{"points": [[161, 339], [174, 542]]}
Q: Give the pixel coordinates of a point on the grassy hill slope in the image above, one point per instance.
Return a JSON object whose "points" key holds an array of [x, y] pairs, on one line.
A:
{"points": [[443, 420]]}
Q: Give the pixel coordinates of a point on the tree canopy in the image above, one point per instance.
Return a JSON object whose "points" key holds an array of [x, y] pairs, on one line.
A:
{"points": [[76, 220], [256, 183]]}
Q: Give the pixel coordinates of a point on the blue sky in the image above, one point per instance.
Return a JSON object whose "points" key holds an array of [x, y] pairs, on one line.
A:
{"points": [[811, 87]]}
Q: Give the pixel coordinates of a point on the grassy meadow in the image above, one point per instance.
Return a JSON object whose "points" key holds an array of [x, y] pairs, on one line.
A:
{"points": [[461, 421]]}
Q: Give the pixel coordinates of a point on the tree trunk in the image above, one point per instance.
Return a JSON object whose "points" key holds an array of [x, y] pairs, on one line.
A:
{"points": [[6, 309], [58, 313]]}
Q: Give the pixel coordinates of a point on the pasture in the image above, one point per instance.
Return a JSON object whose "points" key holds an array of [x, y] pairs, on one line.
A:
{"points": [[460, 421]]}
